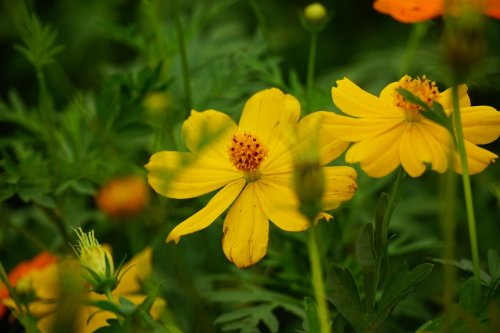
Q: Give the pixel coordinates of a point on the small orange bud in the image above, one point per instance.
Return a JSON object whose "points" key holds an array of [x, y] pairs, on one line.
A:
{"points": [[123, 196]]}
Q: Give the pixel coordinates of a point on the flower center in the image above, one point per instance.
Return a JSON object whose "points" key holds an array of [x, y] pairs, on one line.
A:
{"points": [[246, 152], [420, 87]]}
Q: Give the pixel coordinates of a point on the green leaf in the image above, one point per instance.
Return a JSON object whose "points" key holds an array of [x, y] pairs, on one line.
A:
{"points": [[312, 315], [107, 306], [493, 264], [402, 283], [365, 250], [470, 297], [258, 313], [345, 297]]}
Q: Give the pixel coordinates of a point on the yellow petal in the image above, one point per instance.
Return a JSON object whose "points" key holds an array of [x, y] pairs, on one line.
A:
{"points": [[183, 175], [267, 113], [209, 130], [246, 230], [387, 94], [438, 143], [215, 207], [447, 102], [356, 102], [358, 129], [330, 146], [412, 148], [481, 124], [340, 186], [378, 156], [478, 158], [279, 202], [280, 159], [135, 271]]}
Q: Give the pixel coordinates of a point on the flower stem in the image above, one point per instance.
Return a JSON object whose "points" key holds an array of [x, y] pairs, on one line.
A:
{"points": [[393, 200], [418, 31], [469, 205], [317, 280], [312, 61], [183, 55]]}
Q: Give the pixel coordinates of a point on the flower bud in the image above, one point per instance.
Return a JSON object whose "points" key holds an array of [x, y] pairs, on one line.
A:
{"points": [[315, 13], [96, 261]]}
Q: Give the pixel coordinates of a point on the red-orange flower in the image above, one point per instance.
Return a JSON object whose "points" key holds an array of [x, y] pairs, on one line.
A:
{"points": [[123, 196], [411, 11], [23, 269]]}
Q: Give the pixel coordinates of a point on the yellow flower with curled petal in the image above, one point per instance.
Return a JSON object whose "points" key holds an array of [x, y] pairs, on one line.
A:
{"points": [[253, 164], [389, 131]]}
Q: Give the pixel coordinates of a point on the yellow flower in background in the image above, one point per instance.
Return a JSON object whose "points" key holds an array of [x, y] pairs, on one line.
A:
{"points": [[389, 131], [45, 283], [253, 164]]}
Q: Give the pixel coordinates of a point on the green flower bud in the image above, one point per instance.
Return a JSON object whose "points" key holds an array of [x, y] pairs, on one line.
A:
{"points": [[315, 13], [96, 261]]}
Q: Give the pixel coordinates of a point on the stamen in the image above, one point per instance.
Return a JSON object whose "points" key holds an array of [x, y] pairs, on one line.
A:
{"points": [[422, 88], [246, 152]]}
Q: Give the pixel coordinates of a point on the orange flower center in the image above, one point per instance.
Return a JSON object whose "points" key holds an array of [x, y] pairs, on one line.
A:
{"points": [[420, 87], [246, 152]]}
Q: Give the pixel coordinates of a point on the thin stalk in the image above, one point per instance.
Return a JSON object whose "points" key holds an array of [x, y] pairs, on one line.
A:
{"points": [[313, 46], [29, 236], [447, 218], [469, 205], [393, 200], [317, 280], [183, 55], [418, 30]]}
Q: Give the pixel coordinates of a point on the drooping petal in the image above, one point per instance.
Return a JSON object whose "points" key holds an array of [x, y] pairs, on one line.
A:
{"points": [[183, 175], [279, 202], [413, 151], [378, 156], [267, 113], [209, 131], [340, 186], [246, 230], [356, 102], [481, 124], [447, 102], [357, 129], [329, 143], [215, 207], [478, 158]]}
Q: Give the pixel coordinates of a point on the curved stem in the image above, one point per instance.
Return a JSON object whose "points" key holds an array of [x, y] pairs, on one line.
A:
{"points": [[183, 55], [317, 280], [392, 204], [417, 32], [312, 61], [469, 205]]}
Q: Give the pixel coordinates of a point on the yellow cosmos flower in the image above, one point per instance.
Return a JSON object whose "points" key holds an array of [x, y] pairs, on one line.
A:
{"points": [[45, 283], [389, 131], [253, 164]]}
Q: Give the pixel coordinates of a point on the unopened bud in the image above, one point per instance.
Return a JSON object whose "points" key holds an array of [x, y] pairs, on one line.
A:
{"points": [[315, 13], [96, 261]]}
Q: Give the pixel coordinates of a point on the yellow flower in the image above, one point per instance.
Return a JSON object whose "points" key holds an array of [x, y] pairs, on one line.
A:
{"points": [[46, 281], [388, 131], [253, 163], [315, 13]]}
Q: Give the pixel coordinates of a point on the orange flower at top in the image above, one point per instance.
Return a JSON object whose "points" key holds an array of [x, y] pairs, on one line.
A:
{"points": [[23, 269], [411, 11]]}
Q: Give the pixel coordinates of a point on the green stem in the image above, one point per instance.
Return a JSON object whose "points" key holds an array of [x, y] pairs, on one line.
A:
{"points": [[29, 236], [317, 280], [469, 205], [313, 46], [447, 218], [183, 55], [417, 32], [393, 200]]}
